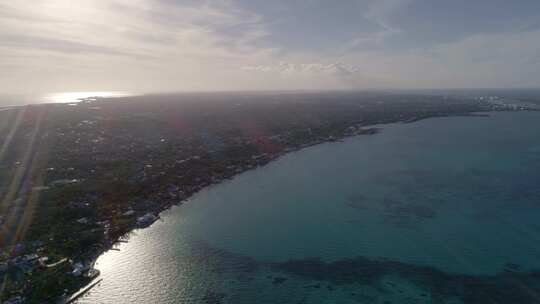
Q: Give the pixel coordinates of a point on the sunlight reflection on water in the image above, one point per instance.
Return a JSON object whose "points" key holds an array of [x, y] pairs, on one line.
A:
{"points": [[69, 97]]}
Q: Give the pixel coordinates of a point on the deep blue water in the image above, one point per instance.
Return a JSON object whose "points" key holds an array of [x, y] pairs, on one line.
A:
{"points": [[416, 214]]}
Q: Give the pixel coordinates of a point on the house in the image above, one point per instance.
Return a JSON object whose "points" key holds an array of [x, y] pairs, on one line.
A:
{"points": [[83, 221], [146, 220], [130, 212], [78, 269]]}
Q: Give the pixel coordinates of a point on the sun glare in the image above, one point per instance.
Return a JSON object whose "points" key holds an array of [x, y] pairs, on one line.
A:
{"points": [[70, 97]]}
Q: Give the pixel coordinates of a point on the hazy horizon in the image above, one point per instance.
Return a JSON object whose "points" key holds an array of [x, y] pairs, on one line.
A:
{"points": [[237, 45], [11, 100]]}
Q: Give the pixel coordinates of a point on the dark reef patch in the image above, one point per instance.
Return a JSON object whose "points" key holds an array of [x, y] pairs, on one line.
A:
{"points": [[406, 214], [509, 286], [213, 297], [279, 280], [357, 201], [505, 287]]}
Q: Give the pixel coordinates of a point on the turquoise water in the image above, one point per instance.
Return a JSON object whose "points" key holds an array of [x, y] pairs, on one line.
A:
{"points": [[440, 211]]}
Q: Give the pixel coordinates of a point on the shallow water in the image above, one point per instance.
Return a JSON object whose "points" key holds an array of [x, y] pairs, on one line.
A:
{"points": [[419, 213]]}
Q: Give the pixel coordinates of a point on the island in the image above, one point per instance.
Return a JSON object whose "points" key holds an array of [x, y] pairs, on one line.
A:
{"points": [[75, 179]]}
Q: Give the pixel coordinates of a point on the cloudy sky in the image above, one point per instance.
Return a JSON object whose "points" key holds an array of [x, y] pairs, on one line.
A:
{"points": [[186, 45]]}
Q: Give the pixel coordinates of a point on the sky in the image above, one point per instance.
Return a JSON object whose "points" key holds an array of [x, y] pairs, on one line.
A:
{"points": [[197, 45]]}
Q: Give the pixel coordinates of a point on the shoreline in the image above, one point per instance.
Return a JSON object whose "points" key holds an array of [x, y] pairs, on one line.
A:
{"points": [[159, 180], [165, 207], [367, 130]]}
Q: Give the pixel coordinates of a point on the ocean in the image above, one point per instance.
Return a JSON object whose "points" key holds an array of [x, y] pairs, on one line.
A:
{"points": [[11, 100], [444, 210]]}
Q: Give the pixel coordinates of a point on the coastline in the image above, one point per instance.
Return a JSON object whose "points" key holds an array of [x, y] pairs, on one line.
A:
{"points": [[125, 238], [189, 231], [189, 173], [366, 130]]}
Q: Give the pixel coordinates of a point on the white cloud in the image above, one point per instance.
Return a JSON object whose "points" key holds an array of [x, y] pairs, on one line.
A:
{"points": [[487, 60], [155, 45], [379, 12], [288, 68], [58, 41], [317, 75]]}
